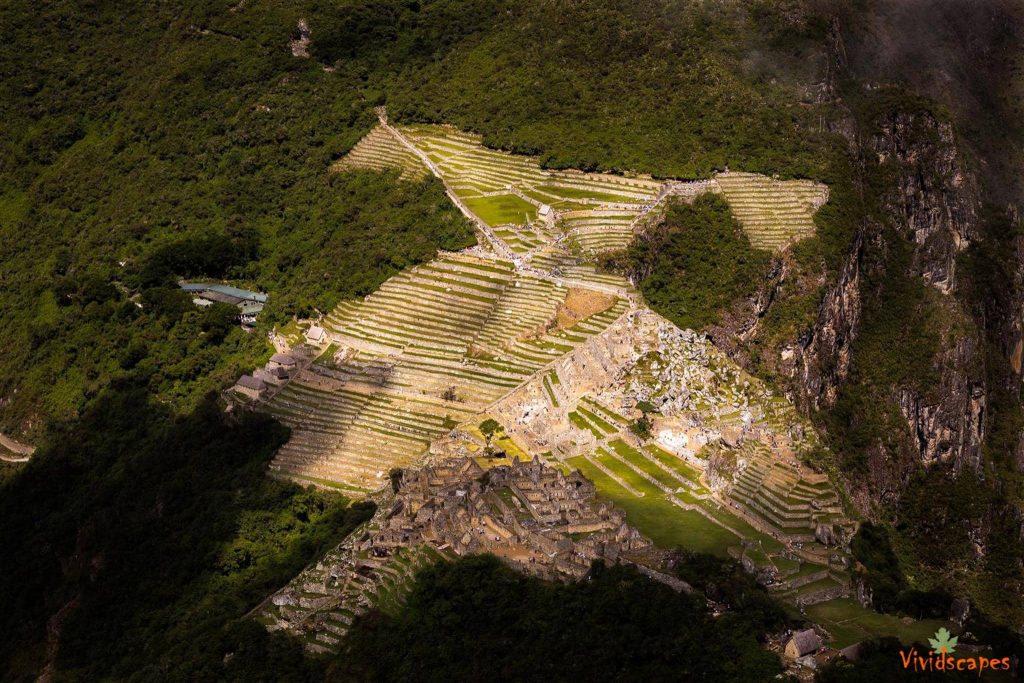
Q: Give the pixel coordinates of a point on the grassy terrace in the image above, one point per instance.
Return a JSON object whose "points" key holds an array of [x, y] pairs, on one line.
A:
{"points": [[567, 193], [850, 623], [664, 523], [601, 424], [771, 212], [502, 209], [435, 343], [608, 412], [712, 528], [379, 150], [601, 207], [637, 459], [581, 423], [782, 497], [677, 465], [549, 390]]}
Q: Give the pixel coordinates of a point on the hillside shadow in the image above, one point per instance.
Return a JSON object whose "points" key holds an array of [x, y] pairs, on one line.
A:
{"points": [[149, 535]]}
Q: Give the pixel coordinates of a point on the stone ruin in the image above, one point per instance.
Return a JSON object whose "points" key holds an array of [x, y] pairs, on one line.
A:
{"points": [[534, 517]]}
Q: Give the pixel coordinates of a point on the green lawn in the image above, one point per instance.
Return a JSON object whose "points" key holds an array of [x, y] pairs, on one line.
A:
{"points": [[550, 392], [658, 519], [607, 411], [655, 503], [581, 193], [581, 423], [676, 464], [500, 209], [849, 623], [603, 424], [327, 483], [741, 527], [637, 459]]}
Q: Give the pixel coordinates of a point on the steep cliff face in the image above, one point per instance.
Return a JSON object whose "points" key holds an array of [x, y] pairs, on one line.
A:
{"points": [[950, 427], [1013, 334], [930, 201], [821, 357], [933, 200], [934, 203], [900, 329]]}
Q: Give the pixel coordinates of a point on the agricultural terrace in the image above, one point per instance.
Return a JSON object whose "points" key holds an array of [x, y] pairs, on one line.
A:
{"points": [[526, 328], [385, 588], [432, 346], [773, 213], [530, 207], [381, 150], [766, 518], [715, 470]]}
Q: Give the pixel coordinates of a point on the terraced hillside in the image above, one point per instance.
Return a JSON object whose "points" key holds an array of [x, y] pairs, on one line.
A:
{"points": [[344, 584], [768, 517], [519, 201], [773, 212], [380, 150], [528, 207], [526, 329], [431, 347], [715, 469]]}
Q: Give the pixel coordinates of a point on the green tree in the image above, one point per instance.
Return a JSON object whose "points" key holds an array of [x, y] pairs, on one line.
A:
{"points": [[489, 428]]}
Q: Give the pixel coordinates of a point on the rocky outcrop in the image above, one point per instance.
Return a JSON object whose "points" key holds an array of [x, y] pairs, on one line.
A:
{"points": [[950, 428], [300, 41], [933, 199], [933, 202], [739, 323], [722, 469], [821, 358]]}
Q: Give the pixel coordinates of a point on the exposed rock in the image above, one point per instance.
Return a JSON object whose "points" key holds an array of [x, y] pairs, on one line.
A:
{"points": [[862, 591], [722, 470], [825, 535], [935, 200], [300, 43], [952, 428], [959, 610], [822, 357]]}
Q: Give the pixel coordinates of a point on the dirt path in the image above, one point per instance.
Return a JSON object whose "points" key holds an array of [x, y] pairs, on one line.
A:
{"points": [[496, 243], [22, 452]]}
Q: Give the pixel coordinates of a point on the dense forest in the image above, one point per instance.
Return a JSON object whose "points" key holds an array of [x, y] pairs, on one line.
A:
{"points": [[694, 263], [140, 144], [478, 620], [141, 535]]}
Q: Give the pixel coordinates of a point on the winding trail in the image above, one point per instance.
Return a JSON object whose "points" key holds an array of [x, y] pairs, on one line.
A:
{"points": [[23, 452], [496, 243]]}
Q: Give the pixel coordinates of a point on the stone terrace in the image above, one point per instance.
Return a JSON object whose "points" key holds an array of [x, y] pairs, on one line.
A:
{"points": [[533, 517], [432, 346], [380, 150], [774, 213], [596, 211]]}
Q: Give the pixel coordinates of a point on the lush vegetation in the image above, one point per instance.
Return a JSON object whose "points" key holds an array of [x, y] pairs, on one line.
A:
{"points": [[142, 143], [907, 329], [695, 263], [725, 582], [673, 88], [151, 537], [147, 144], [186, 140], [476, 619]]}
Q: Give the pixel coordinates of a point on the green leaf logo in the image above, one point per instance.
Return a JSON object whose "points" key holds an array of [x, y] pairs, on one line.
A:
{"points": [[942, 644]]}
